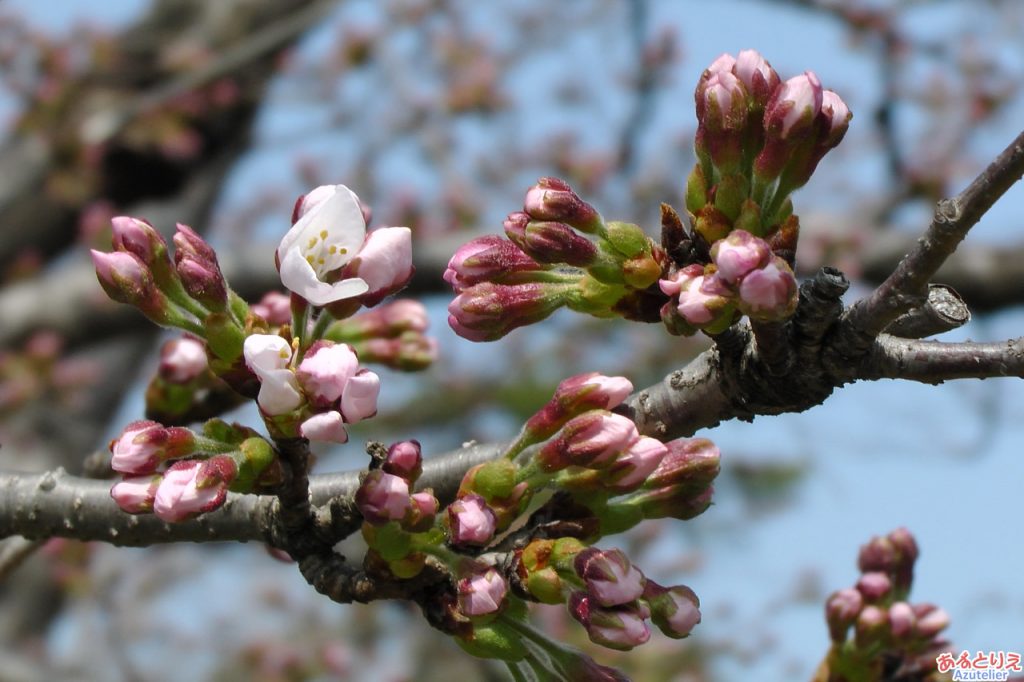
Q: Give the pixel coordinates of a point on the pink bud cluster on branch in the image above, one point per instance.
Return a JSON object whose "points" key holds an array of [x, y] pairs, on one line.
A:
{"points": [[874, 628], [177, 474], [558, 252], [574, 445]]}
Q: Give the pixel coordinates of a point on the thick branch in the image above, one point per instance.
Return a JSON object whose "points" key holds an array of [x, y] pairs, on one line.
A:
{"points": [[905, 288]]}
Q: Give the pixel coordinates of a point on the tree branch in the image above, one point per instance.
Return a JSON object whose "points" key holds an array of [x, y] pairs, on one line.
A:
{"points": [[905, 288], [934, 362]]}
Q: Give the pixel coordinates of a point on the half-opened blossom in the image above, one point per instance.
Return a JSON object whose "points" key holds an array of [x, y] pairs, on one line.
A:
{"points": [[268, 355], [326, 237], [675, 610], [382, 497], [384, 262]]}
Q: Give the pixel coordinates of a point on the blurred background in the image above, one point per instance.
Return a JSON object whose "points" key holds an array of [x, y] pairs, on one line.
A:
{"points": [[439, 114]]}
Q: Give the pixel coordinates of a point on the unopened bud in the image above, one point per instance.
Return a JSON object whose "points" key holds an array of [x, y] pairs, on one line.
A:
{"points": [[553, 199]]}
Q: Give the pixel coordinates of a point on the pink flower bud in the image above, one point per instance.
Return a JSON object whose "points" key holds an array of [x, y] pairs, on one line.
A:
{"points": [[738, 254], [703, 299], [325, 371], [182, 360], [901, 620], [359, 399], [325, 427], [274, 307], [553, 199], [404, 459], [202, 283], [387, 321], [144, 444], [188, 244], [769, 293], [757, 75], [471, 521], [634, 465], [794, 106], [724, 103], [482, 593], [423, 510], [486, 259], [610, 577], [189, 488], [589, 440], [548, 242], [690, 462], [615, 628], [872, 624], [138, 237], [675, 610], [838, 115], [486, 311], [874, 586], [123, 276], [575, 395], [841, 611], [382, 497], [135, 494], [384, 263], [931, 620]]}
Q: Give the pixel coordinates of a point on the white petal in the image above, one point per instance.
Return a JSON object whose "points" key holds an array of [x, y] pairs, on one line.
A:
{"points": [[297, 275], [266, 352], [279, 392], [340, 217]]}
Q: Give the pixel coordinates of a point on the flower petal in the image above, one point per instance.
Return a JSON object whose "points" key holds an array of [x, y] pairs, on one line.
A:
{"points": [[298, 276]]}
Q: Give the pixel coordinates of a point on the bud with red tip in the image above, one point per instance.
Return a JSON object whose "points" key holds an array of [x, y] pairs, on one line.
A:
{"points": [[487, 312], [675, 610], [619, 628], [574, 396], [193, 487], [690, 462], [590, 440], [144, 445], [488, 259], [550, 242], [553, 199], [633, 465]]}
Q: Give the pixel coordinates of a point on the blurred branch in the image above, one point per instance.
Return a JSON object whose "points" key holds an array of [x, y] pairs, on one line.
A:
{"points": [[933, 362]]}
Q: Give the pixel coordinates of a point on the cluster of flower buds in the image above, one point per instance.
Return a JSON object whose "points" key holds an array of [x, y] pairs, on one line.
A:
{"points": [[177, 474], [604, 592], [393, 334], [558, 252], [400, 527], [187, 292], [311, 394], [758, 139], [744, 277], [886, 629]]}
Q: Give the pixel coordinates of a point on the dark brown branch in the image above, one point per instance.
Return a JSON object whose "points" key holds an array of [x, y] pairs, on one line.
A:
{"points": [[905, 288], [934, 362]]}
